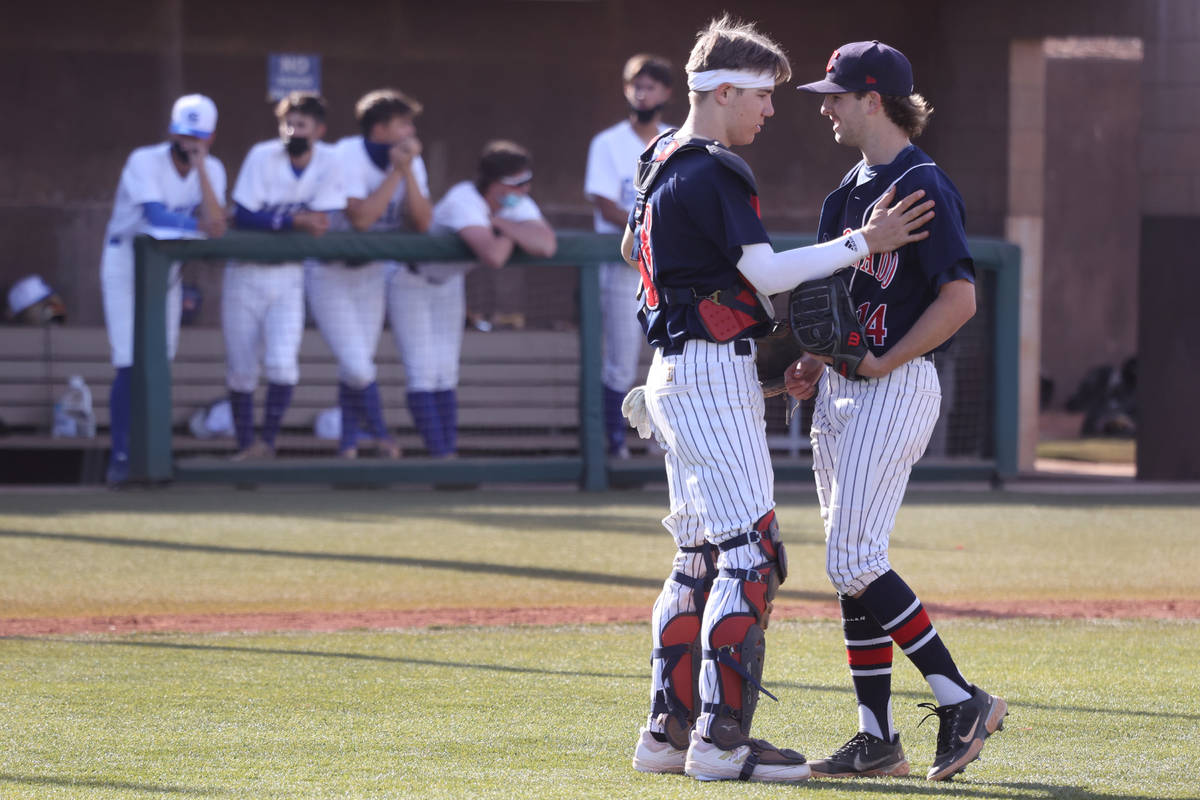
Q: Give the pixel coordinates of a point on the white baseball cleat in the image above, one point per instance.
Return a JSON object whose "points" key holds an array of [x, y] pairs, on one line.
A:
{"points": [[751, 760], [651, 755]]}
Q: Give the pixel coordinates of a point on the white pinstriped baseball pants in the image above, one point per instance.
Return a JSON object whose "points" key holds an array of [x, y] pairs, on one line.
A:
{"points": [[427, 323], [707, 410], [262, 317], [623, 336], [348, 304], [117, 294], [866, 436]]}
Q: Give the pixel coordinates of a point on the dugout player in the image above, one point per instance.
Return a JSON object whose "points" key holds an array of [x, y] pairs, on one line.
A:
{"points": [[174, 190], [702, 252], [386, 190], [427, 302], [285, 184], [867, 434], [611, 167]]}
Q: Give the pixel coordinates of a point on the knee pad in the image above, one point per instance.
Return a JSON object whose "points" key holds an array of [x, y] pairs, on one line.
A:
{"points": [[678, 702], [701, 585], [738, 645], [761, 582]]}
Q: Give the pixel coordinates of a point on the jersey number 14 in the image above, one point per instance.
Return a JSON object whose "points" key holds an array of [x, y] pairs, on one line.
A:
{"points": [[874, 322]]}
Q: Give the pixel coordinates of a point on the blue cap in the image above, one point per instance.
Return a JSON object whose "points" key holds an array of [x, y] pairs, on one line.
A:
{"points": [[865, 67]]}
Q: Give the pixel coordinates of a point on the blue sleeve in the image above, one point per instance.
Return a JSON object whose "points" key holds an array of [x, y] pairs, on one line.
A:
{"points": [[261, 220], [158, 216], [727, 212], [944, 255]]}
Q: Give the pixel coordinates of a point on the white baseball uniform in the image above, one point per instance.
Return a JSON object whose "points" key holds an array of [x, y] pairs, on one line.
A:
{"points": [[149, 176], [611, 168], [262, 306], [427, 302], [348, 302]]}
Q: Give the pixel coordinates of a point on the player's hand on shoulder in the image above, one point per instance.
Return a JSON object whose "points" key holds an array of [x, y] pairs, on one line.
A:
{"points": [[313, 222], [893, 226], [803, 375]]}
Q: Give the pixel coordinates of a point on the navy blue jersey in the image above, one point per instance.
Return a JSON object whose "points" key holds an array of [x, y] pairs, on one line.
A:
{"points": [[697, 217], [891, 290]]}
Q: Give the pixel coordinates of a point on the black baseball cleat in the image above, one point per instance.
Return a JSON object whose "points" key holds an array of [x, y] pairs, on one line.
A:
{"points": [[864, 756], [962, 729]]}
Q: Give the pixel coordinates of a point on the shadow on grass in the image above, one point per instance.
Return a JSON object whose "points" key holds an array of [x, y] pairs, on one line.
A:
{"points": [[366, 657], [916, 786], [513, 570], [1014, 709], [89, 783]]}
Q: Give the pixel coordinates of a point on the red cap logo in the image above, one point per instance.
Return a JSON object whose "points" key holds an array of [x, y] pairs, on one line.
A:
{"points": [[832, 58]]}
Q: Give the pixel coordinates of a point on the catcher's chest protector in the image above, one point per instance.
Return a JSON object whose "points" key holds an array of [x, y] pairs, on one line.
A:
{"points": [[729, 313]]}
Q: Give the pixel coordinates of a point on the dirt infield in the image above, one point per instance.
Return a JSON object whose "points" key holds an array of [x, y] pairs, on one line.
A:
{"points": [[560, 615]]}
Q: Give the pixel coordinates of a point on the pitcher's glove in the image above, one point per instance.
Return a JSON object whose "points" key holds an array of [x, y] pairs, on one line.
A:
{"points": [[824, 323]]}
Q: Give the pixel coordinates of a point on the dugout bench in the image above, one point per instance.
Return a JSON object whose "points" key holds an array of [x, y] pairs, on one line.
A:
{"points": [[530, 400]]}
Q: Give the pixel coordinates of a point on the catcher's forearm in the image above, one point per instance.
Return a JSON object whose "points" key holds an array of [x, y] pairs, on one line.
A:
{"points": [[772, 272]]}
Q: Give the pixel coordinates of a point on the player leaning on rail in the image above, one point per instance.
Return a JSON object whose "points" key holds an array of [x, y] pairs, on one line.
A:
{"points": [[704, 257], [173, 190]]}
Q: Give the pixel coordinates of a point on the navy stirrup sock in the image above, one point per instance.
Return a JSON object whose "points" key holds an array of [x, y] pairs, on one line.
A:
{"points": [[423, 408], [446, 402], [279, 397], [241, 404], [120, 413]]}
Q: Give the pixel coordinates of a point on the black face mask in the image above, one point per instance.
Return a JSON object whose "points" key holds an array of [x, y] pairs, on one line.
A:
{"points": [[179, 153], [297, 146], [646, 115]]}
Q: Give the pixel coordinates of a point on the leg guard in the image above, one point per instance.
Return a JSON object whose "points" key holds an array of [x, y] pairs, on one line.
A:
{"points": [[751, 567], [676, 699]]}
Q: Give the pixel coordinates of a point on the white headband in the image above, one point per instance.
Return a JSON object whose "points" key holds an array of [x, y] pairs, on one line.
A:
{"points": [[737, 78], [520, 179]]}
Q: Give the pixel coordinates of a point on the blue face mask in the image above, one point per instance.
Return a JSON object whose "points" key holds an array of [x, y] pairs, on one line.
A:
{"points": [[378, 152], [510, 201]]}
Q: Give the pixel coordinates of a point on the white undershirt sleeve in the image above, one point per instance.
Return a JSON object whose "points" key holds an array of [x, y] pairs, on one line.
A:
{"points": [[772, 272]]}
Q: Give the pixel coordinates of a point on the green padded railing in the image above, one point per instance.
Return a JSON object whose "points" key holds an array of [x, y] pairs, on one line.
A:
{"points": [[151, 458]]}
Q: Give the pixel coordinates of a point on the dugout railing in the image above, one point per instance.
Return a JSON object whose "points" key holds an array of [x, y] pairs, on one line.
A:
{"points": [[152, 459]]}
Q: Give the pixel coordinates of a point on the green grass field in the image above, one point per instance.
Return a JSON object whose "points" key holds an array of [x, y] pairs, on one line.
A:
{"points": [[1092, 449], [1099, 709]]}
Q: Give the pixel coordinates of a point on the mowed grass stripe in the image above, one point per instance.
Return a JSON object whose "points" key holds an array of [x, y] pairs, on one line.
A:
{"points": [[216, 551], [1098, 710]]}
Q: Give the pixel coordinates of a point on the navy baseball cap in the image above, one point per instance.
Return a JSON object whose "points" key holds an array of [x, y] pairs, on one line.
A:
{"points": [[865, 67]]}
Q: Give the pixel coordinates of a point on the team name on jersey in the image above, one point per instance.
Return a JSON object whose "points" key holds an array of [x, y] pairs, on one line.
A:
{"points": [[880, 266]]}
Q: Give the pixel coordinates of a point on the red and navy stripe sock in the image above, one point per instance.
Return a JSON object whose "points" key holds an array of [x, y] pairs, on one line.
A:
{"points": [[898, 611], [869, 653]]}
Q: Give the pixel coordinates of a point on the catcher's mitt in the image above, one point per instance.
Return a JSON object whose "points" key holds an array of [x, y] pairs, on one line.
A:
{"points": [[776, 352], [824, 323]]}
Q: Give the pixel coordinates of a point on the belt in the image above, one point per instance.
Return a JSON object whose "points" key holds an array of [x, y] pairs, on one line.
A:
{"points": [[741, 347]]}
